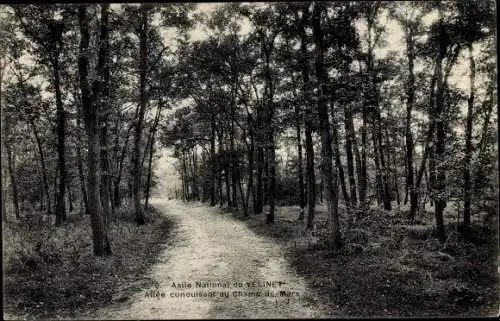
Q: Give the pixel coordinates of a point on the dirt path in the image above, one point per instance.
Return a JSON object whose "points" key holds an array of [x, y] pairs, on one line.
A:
{"points": [[213, 247]]}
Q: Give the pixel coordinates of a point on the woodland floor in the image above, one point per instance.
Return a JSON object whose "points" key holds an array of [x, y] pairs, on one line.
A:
{"points": [[51, 273], [389, 268]]}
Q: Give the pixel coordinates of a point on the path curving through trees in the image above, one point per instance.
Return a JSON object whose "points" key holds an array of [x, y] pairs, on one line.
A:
{"points": [[212, 247]]}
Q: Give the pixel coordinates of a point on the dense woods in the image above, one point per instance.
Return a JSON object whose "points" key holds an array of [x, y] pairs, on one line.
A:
{"points": [[314, 79], [336, 107]]}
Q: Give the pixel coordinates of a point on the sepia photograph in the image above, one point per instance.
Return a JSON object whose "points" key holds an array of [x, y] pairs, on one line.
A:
{"points": [[249, 160]]}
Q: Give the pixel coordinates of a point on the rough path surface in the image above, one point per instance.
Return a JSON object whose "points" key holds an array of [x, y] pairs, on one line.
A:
{"points": [[213, 247]]}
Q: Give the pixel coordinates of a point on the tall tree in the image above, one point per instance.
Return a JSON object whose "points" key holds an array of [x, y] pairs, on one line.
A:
{"points": [[91, 108]]}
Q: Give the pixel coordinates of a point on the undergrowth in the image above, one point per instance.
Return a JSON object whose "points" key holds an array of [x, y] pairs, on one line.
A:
{"points": [[390, 266], [51, 273]]}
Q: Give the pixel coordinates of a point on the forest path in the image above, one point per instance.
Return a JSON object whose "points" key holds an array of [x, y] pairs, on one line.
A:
{"points": [[213, 247]]}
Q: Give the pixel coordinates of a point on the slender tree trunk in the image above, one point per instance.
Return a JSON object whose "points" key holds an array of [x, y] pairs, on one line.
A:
{"points": [[151, 153], [117, 195], [338, 162], [468, 140], [212, 161], [4, 182], [242, 195], [228, 183], [42, 163], [271, 153], [363, 181], [328, 171], [232, 164], [272, 178], [250, 188], [258, 208], [70, 198], [302, 200], [427, 149], [378, 170], [311, 179], [440, 202], [308, 119], [143, 43], [81, 175], [349, 138], [410, 97], [395, 173], [379, 151], [61, 123], [219, 167], [13, 181], [488, 108]]}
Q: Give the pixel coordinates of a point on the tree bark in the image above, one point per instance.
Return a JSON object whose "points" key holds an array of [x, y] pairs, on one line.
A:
{"points": [[81, 175], [302, 201], [328, 171], [363, 181], [143, 65], [251, 165], [100, 239], [103, 98], [117, 195], [13, 181], [468, 140], [213, 162], [42, 163], [61, 122], [338, 162], [439, 201], [349, 139], [271, 153], [410, 97], [151, 153]]}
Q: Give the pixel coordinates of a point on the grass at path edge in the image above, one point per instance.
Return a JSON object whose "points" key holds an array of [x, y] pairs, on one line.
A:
{"points": [[62, 279]]}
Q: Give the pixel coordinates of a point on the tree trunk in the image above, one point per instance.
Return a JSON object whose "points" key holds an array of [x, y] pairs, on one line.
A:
{"points": [[151, 153], [213, 163], [272, 178], [219, 167], [378, 170], [232, 163], [258, 208], [42, 163], [427, 149], [311, 179], [488, 107], [410, 97], [440, 202], [308, 120], [349, 139], [338, 162], [328, 171], [60, 207], [143, 43], [81, 175], [99, 230], [302, 201], [250, 188], [468, 140], [70, 198], [395, 173], [13, 182], [117, 196]]}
